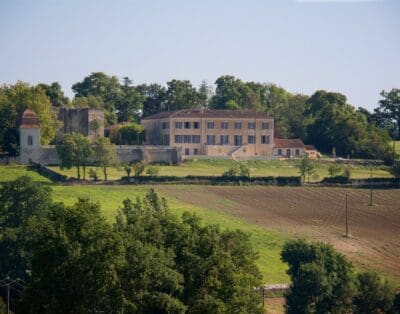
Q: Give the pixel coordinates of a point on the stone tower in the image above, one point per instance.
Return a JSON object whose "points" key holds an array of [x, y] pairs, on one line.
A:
{"points": [[29, 135]]}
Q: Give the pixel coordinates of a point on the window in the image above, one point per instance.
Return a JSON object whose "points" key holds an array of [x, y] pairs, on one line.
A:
{"points": [[196, 139], [252, 125], [164, 125], [224, 125], [196, 125], [297, 152], [210, 139], [30, 140], [187, 151], [238, 125], [279, 152], [178, 139], [165, 139], [187, 139], [265, 139], [224, 140], [265, 125], [210, 124], [187, 125], [178, 125], [251, 139], [238, 140], [195, 151]]}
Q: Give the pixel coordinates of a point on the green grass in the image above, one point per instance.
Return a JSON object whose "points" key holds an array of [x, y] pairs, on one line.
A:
{"points": [[215, 167], [11, 172], [397, 147]]}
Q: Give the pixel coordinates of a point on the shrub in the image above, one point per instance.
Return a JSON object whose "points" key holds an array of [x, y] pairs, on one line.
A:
{"points": [[231, 172], [244, 170], [334, 170], [347, 172], [153, 171], [395, 169], [93, 174], [138, 168]]}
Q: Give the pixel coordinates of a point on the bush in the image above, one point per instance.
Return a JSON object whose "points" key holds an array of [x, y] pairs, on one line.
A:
{"points": [[231, 172], [347, 173], [93, 174], [395, 169], [334, 170], [153, 171]]}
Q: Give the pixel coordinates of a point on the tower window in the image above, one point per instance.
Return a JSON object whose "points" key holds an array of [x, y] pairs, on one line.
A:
{"points": [[30, 140]]}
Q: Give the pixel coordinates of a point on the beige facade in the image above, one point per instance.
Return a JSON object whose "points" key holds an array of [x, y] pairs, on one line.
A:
{"points": [[212, 132]]}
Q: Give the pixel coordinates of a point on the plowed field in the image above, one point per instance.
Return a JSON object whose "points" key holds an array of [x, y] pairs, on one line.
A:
{"points": [[316, 214]]}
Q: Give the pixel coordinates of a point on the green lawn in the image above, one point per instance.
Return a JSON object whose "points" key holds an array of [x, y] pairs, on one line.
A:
{"points": [[215, 167], [11, 172]]}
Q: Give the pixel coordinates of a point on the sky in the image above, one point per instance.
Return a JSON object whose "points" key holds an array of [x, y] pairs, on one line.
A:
{"points": [[347, 46]]}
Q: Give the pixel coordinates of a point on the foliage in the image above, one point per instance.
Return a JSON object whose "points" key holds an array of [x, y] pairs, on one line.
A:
{"points": [[231, 172], [334, 170], [105, 154], [120, 102], [149, 262], [181, 95], [202, 268], [154, 98], [389, 109], [55, 93], [306, 168], [138, 168], [90, 101], [347, 172], [395, 169], [75, 151], [128, 169], [153, 171], [14, 99], [321, 278], [244, 170], [130, 134], [93, 174], [75, 256], [373, 295], [19, 200]]}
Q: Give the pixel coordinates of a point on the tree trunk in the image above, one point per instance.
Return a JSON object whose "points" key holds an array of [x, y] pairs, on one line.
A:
{"points": [[79, 173]]}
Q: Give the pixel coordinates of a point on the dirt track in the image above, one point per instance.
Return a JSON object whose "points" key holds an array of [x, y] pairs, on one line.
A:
{"points": [[317, 214]]}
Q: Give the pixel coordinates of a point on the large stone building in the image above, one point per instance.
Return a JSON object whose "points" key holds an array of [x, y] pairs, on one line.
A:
{"points": [[231, 133], [87, 121]]}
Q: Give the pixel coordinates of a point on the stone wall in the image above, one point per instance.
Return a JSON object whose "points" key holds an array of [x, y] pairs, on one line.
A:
{"points": [[47, 155]]}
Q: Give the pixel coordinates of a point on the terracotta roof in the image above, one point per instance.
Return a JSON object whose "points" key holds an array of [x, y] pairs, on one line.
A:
{"points": [[310, 147], [208, 113], [288, 143], [29, 120]]}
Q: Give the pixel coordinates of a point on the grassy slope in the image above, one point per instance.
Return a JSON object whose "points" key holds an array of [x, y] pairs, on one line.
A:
{"points": [[214, 167], [8, 173]]}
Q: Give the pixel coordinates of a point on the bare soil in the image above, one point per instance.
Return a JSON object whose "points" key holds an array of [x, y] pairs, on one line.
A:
{"points": [[317, 214]]}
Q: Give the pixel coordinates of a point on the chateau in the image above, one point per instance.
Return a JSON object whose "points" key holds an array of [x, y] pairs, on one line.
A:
{"points": [[170, 135], [230, 133]]}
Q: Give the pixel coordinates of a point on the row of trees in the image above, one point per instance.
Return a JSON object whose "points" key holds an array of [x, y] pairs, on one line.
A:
{"points": [[148, 261], [323, 281], [324, 119], [76, 150]]}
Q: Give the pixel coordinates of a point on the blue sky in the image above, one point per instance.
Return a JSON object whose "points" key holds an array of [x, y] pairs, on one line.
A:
{"points": [[350, 46]]}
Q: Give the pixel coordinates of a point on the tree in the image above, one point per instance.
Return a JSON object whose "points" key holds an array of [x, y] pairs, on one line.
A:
{"points": [[130, 103], [20, 200], [201, 268], [373, 295], [306, 168], [181, 95], [105, 154], [138, 168], [74, 256], [56, 94], [130, 134], [244, 170], [205, 94], [334, 170], [106, 87], [154, 98], [92, 102], [14, 99], [75, 151], [322, 279], [152, 171], [389, 106]]}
